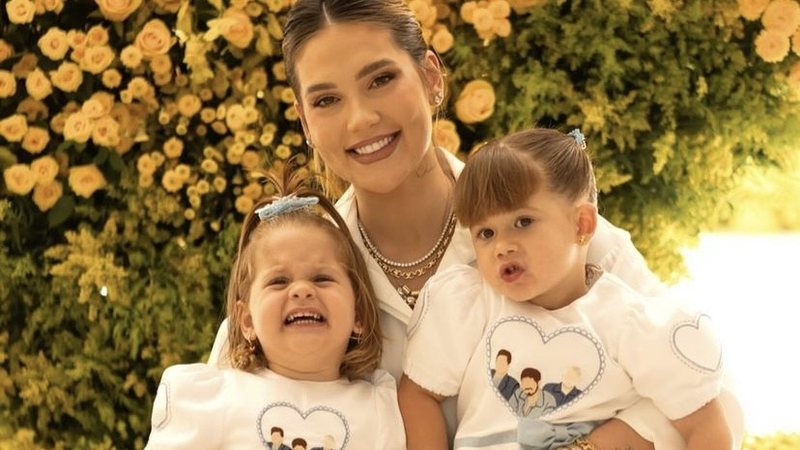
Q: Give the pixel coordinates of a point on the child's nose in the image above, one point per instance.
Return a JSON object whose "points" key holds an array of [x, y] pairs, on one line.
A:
{"points": [[302, 290], [505, 247]]}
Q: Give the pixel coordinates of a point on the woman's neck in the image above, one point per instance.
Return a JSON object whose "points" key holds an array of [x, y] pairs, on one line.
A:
{"points": [[407, 222]]}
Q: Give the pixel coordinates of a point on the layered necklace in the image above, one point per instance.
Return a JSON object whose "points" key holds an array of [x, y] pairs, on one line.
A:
{"points": [[412, 269]]}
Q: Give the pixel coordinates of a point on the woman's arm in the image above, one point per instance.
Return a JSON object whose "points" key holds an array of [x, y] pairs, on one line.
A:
{"points": [[706, 428], [422, 417]]}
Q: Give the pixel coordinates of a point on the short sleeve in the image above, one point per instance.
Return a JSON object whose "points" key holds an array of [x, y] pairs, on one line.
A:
{"points": [[391, 432], [188, 409], [445, 329], [219, 351], [672, 355], [611, 248]]}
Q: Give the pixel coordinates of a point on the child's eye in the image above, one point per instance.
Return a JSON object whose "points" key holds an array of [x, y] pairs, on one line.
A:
{"points": [[325, 101], [485, 233], [322, 278], [277, 282], [382, 79], [523, 222]]}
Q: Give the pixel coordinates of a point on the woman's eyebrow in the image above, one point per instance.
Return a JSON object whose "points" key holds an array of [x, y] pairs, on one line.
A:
{"points": [[366, 70]]}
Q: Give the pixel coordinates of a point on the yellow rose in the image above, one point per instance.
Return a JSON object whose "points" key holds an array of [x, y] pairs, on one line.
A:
{"points": [[68, 77], [78, 128], [106, 132], [140, 87], [46, 195], [85, 180], [146, 180], [424, 12], [235, 117], [25, 65], [131, 57], [209, 166], [772, 46], [38, 85], [446, 136], [97, 35], [145, 164], [54, 5], [782, 16], [20, 11], [467, 11], [220, 184], [54, 44], [250, 160], [161, 64], [502, 27], [236, 28], [170, 6], [183, 171], [104, 100], [111, 78], [172, 181], [173, 148], [154, 39], [8, 84], [97, 59], [58, 121], [244, 204], [189, 105], [33, 109], [500, 9], [35, 140], [19, 179], [752, 9], [442, 40], [6, 50], [76, 39], [476, 102], [117, 10], [44, 169], [482, 19], [13, 128]]}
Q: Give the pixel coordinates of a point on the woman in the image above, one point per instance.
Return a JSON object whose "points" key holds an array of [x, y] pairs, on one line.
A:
{"points": [[367, 88]]}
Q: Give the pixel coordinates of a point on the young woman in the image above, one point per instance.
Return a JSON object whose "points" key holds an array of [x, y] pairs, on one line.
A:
{"points": [[367, 89]]}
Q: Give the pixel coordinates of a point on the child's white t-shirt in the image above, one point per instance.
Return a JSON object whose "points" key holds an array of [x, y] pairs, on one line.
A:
{"points": [[199, 406], [594, 357]]}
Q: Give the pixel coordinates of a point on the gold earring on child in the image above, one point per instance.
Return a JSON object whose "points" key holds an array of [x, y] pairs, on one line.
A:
{"points": [[581, 239], [251, 346], [355, 339]]}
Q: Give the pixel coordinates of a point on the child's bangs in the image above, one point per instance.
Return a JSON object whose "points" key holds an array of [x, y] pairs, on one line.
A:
{"points": [[481, 191]]}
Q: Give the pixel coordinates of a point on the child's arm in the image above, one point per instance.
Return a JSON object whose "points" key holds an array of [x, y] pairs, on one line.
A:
{"points": [[422, 417], [706, 428]]}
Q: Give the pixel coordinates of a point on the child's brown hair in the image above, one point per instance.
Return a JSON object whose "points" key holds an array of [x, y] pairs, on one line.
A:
{"points": [[364, 351]]}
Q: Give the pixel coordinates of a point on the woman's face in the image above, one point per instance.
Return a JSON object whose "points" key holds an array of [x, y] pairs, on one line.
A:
{"points": [[365, 105]]}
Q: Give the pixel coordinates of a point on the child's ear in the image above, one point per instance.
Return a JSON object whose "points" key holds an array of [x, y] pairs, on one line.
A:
{"points": [[245, 320], [586, 220], [357, 328]]}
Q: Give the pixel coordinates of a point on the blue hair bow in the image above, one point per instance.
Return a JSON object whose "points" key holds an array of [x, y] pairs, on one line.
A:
{"points": [[284, 205], [579, 138]]}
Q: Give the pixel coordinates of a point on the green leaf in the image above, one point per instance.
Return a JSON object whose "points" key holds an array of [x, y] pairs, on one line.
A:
{"points": [[101, 157], [115, 161], [61, 211]]}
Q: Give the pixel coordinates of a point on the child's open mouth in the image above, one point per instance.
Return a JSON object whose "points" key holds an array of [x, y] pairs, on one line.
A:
{"points": [[510, 272], [304, 318]]}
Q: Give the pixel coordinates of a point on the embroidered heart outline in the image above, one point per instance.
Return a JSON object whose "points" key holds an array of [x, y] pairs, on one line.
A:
{"points": [[303, 415], [685, 330], [545, 338]]}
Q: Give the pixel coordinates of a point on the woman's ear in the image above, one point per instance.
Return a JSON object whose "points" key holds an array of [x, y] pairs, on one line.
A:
{"points": [[434, 77], [586, 221]]}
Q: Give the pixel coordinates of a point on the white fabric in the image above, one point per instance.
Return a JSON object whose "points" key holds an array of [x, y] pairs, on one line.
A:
{"points": [[199, 406], [611, 249], [625, 346]]}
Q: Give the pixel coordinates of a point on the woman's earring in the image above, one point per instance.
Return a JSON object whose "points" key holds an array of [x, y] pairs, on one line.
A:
{"points": [[437, 99], [308, 143]]}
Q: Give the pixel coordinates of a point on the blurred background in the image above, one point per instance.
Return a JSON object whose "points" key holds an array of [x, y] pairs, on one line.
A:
{"points": [[129, 128]]}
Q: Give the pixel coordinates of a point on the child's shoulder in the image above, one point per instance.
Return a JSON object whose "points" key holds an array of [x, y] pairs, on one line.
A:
{"points": [[459, 276]]}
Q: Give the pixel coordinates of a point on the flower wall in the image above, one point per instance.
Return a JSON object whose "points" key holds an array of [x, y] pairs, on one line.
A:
{"points": [[128, 129]]}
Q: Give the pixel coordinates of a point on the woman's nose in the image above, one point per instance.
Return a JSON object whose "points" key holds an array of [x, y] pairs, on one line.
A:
{"points": [[361, 116]]}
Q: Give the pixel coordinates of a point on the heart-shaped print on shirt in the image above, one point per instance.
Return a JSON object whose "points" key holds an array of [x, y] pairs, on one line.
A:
{"points": [[319, 428], [694, 343], [537, 373]]}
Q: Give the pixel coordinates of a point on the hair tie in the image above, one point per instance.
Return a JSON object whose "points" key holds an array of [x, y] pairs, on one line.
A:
{"points": [[284, 205], [579, 138]]}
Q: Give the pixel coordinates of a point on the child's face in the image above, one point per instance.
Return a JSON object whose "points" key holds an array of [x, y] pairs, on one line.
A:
{"points": [[302, 304], [532, 253]]}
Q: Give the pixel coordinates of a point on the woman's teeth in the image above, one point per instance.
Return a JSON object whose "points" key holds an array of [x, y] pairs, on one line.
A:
{"points": [[374, 147]]}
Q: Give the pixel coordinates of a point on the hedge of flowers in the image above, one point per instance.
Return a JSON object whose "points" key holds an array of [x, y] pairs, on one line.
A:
{"points": [[128, 129]]}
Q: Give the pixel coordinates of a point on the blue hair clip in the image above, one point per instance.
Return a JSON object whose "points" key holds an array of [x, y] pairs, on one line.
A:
{"points": [[578, 136], [284, 205]]}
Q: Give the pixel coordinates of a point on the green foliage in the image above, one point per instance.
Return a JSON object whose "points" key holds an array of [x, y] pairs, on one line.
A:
{"points": [[100, 294]]}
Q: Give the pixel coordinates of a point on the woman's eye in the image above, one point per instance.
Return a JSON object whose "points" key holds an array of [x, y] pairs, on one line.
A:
{"points": [[485, 233], [324, 102], [381, 80], [523, 222]]}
